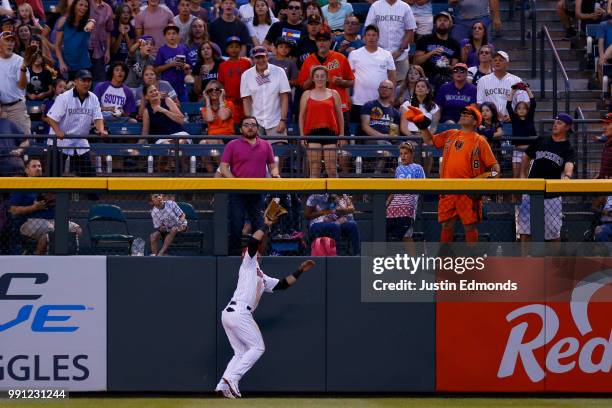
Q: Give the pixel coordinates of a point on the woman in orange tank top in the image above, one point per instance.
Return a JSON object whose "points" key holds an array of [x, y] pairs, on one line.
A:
{"points": [[321, 115]]}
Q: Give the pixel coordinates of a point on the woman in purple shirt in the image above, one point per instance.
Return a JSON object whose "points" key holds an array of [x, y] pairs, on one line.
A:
{"points": [[471, 46]]}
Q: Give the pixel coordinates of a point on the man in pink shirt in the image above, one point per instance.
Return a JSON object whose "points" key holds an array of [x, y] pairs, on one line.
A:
{"points": [[152, 21], [247, 157]]}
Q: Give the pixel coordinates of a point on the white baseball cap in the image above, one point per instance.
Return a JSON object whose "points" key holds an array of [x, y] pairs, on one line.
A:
{"points": [[502, 54]]}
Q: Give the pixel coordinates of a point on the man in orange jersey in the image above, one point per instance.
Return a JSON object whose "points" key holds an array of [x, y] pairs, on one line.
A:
{"points": [[340, 74], [466, 155]]}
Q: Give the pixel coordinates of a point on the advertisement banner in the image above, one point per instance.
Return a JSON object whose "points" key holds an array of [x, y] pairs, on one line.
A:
{"points": [[561, 343], [53, 322]]}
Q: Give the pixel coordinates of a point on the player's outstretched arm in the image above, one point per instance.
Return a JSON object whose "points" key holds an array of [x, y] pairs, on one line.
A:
{"points": [[258, 236], [291, 279]]}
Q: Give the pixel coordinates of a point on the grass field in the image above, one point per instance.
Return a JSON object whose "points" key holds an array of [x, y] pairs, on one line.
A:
{"points": [[391, 402]]}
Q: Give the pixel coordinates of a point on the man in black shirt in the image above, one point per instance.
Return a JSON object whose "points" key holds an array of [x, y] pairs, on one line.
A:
{"points": [[438, 52], [292, 28], [550, 158], [228, 25], [308, 43]]}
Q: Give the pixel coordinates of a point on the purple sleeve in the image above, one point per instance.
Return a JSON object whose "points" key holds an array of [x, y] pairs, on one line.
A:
{"points": [[270, 154], [464, 41], [159, 59], [101, 88], [227, 153], [130, 103], [439, 99]]}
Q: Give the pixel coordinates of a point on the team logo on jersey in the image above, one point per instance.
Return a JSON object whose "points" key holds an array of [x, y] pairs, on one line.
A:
{"points": [[376, 113], [458, 144], [333, 64]]}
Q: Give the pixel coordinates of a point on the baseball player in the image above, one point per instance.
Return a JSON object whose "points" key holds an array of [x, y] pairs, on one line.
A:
{"points": [[237, 318], [466, 155]]}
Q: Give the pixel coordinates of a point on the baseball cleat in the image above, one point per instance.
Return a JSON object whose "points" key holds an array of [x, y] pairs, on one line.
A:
{"points": [[233, 387], [226, 393]]}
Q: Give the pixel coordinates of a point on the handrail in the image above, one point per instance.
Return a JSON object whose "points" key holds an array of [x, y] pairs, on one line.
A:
{"points": [[579, 115], [534, 34], [556, 61]]}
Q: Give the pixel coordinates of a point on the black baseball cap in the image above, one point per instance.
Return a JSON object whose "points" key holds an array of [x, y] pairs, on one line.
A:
{"points": [[83, 74], [285, 40], [171, 27]]}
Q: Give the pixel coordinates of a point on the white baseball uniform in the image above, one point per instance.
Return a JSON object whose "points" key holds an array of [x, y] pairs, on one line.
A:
{"points": [[237, 318]]}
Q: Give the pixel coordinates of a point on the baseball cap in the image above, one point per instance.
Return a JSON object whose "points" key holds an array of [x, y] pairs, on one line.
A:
{"points": [[7, 34], [502, 54], [314, 19], [324, 34], [171, 27], [285, 40], [232, 39], [565, 118], [607, 118], [148, 38], [259, 50], [443, 14], [473, 110], [83, 74]]}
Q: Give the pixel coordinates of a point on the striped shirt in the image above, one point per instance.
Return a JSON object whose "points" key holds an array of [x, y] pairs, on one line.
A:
{"points": [[74, 118], [495, 90], [392, 20], [167, 217]]}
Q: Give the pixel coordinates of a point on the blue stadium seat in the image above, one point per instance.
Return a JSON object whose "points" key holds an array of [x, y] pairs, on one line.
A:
{"points": [[194, 129], [193, 238], [124, 128], [438, 7], [101, 225], [191, 108], [361, 10], [507, 128]]}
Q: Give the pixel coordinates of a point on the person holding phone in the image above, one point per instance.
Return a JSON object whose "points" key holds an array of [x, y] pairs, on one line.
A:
{"points": [[171, 61]]}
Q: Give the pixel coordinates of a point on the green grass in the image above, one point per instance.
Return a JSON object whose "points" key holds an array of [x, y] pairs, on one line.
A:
{"points": [[341, 402]]}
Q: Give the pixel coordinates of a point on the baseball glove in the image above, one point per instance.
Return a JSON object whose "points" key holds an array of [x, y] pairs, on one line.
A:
{"points": [[274, 210], [414, 115]]}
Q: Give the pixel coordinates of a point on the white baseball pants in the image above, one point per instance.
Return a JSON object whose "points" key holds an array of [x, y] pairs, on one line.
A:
{"points": [[245, 338]]}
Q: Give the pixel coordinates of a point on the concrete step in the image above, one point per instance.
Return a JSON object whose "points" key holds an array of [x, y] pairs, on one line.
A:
{"points": [[571, 65], [576, 76], [578, 87], [546, 105]]}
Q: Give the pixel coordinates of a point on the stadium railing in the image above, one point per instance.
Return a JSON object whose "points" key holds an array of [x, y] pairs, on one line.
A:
{"points": [[74, 199], [557, 66]]}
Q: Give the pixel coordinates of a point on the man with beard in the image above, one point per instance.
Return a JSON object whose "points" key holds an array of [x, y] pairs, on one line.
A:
{"points": [[247, 157], [437, 52]]}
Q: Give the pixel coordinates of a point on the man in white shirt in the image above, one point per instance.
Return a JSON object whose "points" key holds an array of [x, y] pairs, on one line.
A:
{"points": [[72, 114], [265, 90], [237, 318], [14, 74], [395, 20], [371, 65], [496, 86]]}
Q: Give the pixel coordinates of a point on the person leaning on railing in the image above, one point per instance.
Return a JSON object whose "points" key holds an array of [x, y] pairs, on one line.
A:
{"points": [[466, 155]]}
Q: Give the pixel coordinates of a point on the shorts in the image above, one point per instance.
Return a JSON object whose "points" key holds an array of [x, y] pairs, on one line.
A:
{"points": [[468, 209], [517, 156], [401, 69], [553, 217], [399, 228], [35, 228], [311, 137], [164, 141]]}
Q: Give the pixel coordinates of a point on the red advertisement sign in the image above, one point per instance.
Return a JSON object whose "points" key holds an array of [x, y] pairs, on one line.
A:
{"points": [[562, 343]]}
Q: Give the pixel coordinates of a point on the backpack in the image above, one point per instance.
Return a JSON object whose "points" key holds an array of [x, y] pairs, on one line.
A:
{"points": [[323, 246]]}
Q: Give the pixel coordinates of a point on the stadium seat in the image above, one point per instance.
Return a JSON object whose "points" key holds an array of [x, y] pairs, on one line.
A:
{"points": [[507, 128], [194, 129], [191, 240], [361, 10], [124, 128], [103, 223], [191, 108]]}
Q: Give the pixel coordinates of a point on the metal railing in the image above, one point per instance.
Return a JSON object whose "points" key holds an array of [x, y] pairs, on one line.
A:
{"points": [[557, 64], [581, 129], [534, 32]]}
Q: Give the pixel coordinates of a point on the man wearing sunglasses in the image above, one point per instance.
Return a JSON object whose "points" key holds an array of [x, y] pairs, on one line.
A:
{"points": [[292, 28], [466, 155], [453, 96]]}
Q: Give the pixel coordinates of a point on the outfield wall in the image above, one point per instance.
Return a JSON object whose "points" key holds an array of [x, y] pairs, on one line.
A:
{"points": [[153, 324]]}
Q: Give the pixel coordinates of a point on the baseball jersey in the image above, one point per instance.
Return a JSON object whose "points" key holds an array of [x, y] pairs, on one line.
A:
{"points": [[337, 66], [265, 91], [74, 118], [392, 20], [495, 90], [252, 282], [466, 154]]}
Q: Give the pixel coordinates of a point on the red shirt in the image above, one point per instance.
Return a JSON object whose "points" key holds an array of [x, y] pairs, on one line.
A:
{"points": [[230, 72], [338, 66], [246, 160]]}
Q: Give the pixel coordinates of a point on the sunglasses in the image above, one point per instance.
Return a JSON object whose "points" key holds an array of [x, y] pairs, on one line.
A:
{"points": [[211, 90], [294, 8], [385, 87], [459, 70]]}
